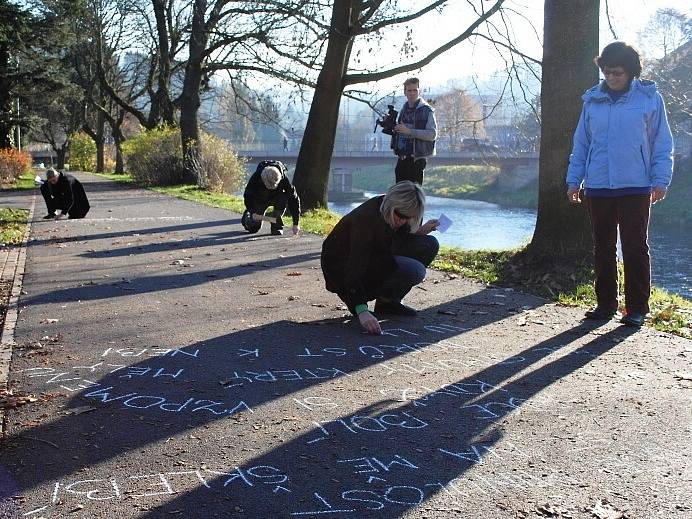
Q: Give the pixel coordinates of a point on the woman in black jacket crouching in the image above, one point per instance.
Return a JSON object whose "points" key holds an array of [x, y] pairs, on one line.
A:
{"points": [[380, 251]]}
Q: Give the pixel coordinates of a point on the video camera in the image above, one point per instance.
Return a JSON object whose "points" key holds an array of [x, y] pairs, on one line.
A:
{"points": [[388, 121]]}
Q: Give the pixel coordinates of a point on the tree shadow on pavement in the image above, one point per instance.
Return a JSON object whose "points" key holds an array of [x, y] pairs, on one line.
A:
{"points": [[219, 401], [164, 230], [155, 283]]}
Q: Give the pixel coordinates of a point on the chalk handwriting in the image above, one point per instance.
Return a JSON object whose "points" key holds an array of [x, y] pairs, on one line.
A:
{"points": [[366, 424], [143, 486], [239, 378], [135, 400], [151, 352]]}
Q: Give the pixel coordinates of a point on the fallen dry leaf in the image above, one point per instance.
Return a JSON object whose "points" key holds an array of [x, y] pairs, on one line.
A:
{"points": [[81, 410], [49, 321], [9, 400], [294, 273], [548, 510], [604, 510]]}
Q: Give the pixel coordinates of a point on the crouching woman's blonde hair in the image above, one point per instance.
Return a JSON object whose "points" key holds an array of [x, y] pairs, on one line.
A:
{"points": [[406, 199]]}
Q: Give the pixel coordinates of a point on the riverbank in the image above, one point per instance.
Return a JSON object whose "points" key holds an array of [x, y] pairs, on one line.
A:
{"points": [[481, 183], [670, 312]]}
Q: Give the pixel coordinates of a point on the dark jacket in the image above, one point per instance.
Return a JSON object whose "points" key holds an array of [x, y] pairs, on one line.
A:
{"points": [[69, 196], [357, 256], [258, 197]]}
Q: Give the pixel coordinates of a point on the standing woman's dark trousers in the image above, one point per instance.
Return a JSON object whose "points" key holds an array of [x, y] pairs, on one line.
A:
{"points": [[631, 215]]}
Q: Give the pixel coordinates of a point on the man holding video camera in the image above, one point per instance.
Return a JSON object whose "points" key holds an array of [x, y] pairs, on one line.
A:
{"points": [[415, 135]]}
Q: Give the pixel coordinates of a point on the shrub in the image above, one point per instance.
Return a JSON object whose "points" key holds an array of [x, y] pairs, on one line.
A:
{"points": [[218, 167], [13, 163], [155, 157], [82, 152]]}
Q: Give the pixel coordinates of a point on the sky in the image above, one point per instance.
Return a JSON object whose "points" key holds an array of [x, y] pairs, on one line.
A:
{"points": [[628, 18]]}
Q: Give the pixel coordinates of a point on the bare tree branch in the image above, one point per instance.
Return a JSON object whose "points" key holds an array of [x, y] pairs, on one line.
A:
{"points": [[351, 79]]}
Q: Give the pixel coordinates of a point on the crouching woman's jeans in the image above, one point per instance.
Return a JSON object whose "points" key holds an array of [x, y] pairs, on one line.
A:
{"points": [[412, 256]]}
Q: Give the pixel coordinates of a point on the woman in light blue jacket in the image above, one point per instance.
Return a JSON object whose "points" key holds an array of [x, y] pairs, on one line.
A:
{"points": [[623, 158]]}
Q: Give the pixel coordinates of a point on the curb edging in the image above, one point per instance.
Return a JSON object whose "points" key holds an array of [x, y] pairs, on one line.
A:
{"points": [[15, 264]]}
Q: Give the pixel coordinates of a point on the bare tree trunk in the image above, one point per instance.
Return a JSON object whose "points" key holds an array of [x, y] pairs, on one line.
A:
{"points": [[118, 139], [570, 43], [190, 99], [61, 152], [312, 166], [119, 162], [100, 142], [161, 105]]}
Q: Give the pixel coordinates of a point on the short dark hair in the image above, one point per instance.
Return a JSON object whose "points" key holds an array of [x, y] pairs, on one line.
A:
{"points": [[620, 54], [412, 81]]}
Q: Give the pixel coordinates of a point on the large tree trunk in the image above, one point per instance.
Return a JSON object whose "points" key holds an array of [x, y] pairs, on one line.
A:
{"points": [[189, 99], [161, 105], [314, 159], [119, 162], [61, 152], [570, 43], [98, 136], [100, 142]]}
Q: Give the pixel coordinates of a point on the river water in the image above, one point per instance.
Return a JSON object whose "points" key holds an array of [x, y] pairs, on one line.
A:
{"points": [[481, 225]]}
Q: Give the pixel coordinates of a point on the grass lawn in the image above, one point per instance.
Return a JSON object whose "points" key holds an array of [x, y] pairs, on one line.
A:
{"points": [[12, 226], [669, 312]]}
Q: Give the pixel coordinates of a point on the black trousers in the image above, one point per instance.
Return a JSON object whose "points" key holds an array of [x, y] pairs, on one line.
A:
{"points": [[58, 203], [409, 169], [631, 215], [279, 203], [51, 203]]}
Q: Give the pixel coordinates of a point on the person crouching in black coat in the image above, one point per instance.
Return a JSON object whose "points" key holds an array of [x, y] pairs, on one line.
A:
{"points": [[380, 251], [269, 186], [64, 192]]}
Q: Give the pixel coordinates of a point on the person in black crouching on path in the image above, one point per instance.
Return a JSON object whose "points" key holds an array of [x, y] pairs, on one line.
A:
{"points": [[269, 186], [65, 193], [380, 251]]}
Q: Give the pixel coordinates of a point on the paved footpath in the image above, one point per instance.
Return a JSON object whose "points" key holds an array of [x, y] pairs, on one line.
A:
{"points": [[186, 369]]}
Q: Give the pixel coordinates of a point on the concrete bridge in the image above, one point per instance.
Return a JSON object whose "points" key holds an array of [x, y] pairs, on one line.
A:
{"points": [[517, 169]]}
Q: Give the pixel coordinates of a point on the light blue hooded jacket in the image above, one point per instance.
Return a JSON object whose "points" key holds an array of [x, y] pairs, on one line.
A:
{"points": [[622, 144]]}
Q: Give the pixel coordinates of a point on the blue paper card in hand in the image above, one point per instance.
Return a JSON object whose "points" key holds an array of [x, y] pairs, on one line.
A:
{"points": [[444, 223]]}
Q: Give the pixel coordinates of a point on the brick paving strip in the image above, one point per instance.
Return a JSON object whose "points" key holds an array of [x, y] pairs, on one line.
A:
{"points": [[13, 261]]}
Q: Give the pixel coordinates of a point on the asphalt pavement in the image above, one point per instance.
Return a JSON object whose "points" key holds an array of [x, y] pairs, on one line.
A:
{"points": [[183, 368]]}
